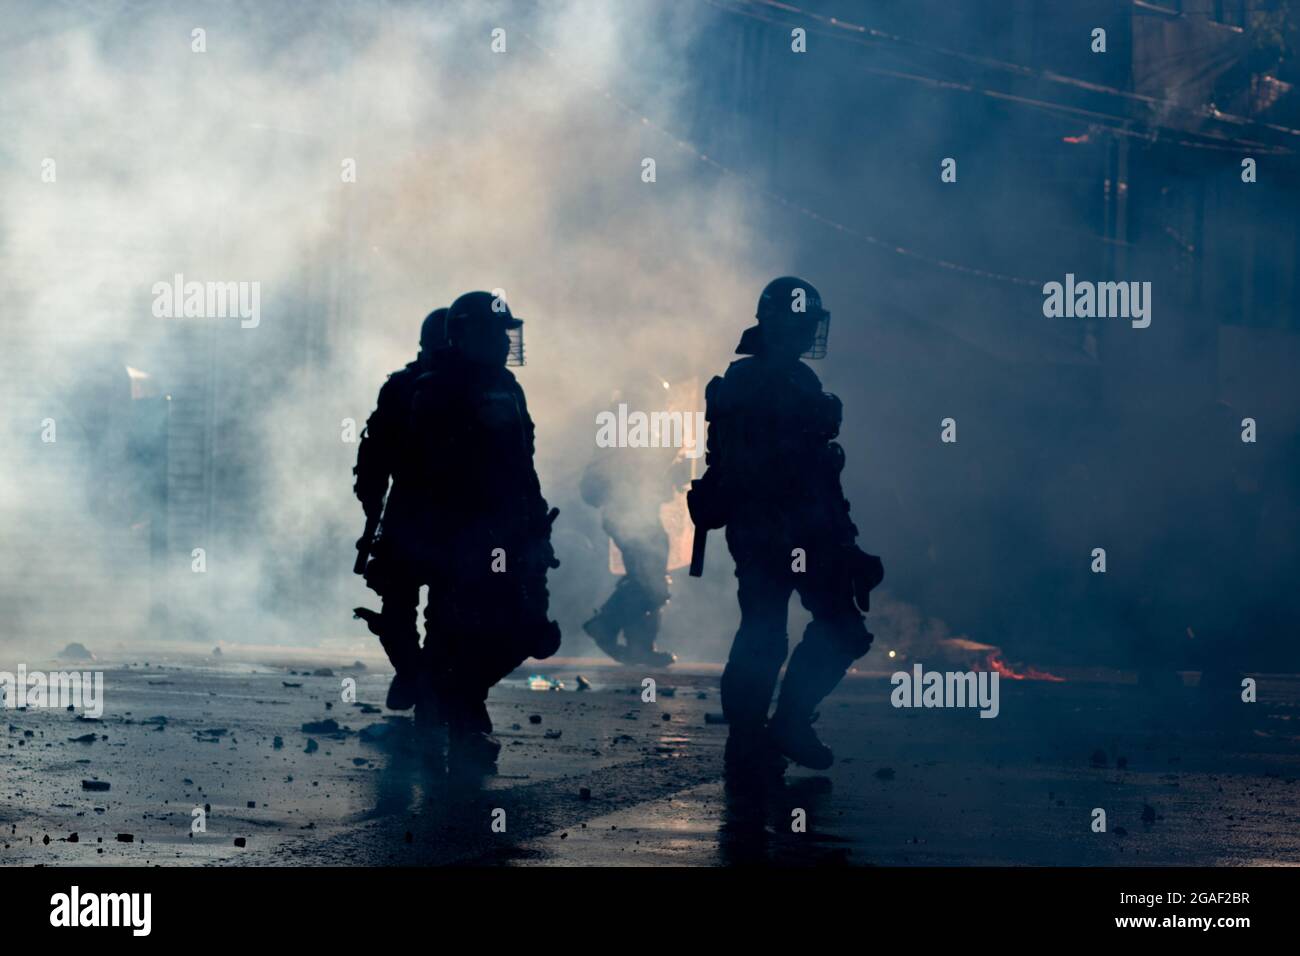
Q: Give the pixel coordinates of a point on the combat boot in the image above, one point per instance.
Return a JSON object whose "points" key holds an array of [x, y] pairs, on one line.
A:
{"points": [[640, 636], [604, 632], [470, 744], [404, 690], [648, 657], [815, 668], [794, 738]]}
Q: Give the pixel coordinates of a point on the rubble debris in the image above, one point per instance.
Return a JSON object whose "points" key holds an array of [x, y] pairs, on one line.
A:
{"points": [[241, 841], [375, 732], [76, 652], [534, 718], [95, 785], [322, 672], [885, 773], [583, 683], [584, 793], [216, 652], [278, 742], [287, 683], [311, 747], [84, 739], [553, 734], [126, 838], [328, 726]]}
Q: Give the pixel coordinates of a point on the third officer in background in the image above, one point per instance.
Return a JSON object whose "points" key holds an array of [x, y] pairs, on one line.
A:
{"points": [[773, 482], [630, 486]]}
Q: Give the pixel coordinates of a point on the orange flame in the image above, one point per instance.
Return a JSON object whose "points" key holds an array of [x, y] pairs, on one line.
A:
{"points": [[996, 663]]}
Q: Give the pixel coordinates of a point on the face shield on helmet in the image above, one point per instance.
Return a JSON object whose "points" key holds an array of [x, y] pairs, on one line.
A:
{"points": [[515, 357], [821, 335]]}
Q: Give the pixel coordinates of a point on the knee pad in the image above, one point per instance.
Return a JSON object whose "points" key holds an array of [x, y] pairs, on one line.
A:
{"points": [[847, 635]]}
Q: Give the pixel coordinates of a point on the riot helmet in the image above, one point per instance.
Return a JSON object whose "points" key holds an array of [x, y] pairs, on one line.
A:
{"points": [[481, 328], [791, 319], [433, 335]]}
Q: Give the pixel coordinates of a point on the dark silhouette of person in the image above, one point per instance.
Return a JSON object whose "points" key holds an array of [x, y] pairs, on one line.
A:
{"points": [[628, 485], [773, 481], [487, 534], [398, 559]]}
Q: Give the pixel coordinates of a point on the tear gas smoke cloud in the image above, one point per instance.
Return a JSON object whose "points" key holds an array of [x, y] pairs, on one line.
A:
{"points": [[473, 170]]}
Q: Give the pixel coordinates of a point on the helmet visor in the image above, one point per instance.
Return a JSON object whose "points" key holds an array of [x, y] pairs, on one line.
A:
{"points": [[821, 335], [516, 334]]}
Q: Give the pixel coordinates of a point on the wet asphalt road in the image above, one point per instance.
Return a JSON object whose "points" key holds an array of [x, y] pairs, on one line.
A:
{"points": [[601, 777]]}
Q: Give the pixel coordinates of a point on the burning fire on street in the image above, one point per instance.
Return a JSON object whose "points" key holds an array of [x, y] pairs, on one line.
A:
{"points": [[989, 657]]}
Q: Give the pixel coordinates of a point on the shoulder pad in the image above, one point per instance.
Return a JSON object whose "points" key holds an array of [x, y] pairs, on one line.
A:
{"points": [[833, 412]]}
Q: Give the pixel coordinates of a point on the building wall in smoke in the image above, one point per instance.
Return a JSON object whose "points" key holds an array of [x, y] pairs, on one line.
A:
{"points": [[1073, 434]]}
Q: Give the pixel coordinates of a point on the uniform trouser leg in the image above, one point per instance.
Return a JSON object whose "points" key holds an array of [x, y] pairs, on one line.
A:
{"points": [[400, 638], [483, 646], [621, 607], [640, 594], [833, 640], [760, 646]]}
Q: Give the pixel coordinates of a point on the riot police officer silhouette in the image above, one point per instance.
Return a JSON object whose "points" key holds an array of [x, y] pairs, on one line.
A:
{"points": [[773, 481], [397, 558], [629, 485], [487, 531]]}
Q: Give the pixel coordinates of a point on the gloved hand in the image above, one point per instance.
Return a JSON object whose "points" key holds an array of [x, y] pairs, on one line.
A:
{"points": [[704, 502]]}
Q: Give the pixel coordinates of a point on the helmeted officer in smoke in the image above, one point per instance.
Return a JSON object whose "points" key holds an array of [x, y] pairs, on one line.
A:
{"points": [[490, 525], [773, 481], [628, 485], [398, 558]]}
